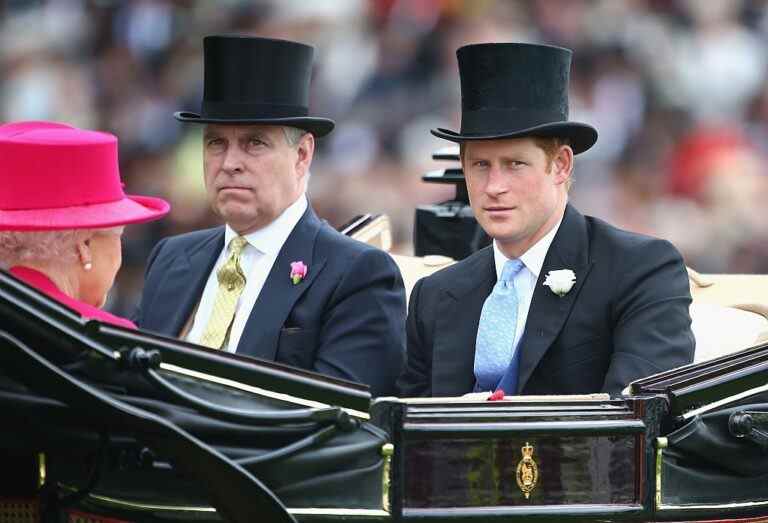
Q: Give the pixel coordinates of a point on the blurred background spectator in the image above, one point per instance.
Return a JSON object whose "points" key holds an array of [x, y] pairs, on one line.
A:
{"points": [[676, 88]]}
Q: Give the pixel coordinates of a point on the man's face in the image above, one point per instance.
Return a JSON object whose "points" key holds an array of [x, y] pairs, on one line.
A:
{"points": [[252, 174], [516, 192]]}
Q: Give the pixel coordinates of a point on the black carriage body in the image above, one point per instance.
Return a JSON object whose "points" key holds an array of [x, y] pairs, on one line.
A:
{"points": [[107, 424], [117, 425], [556, 459]]}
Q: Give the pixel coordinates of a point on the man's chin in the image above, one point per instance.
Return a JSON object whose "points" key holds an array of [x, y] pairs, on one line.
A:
{"points": [[499, 232], [237, 212], [506, 237]]}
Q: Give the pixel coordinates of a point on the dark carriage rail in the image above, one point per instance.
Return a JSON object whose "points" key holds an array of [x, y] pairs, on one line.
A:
{"points": [[252, 372], [551, 415], [697, 385], [719, 389], [548, 513], [513, 407], [453, 430], [657, 382], [29, 310]]}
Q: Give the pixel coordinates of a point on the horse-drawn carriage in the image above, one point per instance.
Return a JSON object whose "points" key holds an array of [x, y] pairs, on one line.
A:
{"points": [[101, 423], [106, 424]]}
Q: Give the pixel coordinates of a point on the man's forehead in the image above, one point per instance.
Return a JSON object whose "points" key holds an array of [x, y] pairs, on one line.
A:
{"points": [[241, 129], [500, 146]]}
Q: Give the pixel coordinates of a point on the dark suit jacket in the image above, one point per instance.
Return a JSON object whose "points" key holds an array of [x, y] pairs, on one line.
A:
{"points": [[625, 317], [345, 319]]}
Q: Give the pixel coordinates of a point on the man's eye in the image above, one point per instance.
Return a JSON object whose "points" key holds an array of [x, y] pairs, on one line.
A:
{"points": [[255, 142], [215, 142], [481, 164]]}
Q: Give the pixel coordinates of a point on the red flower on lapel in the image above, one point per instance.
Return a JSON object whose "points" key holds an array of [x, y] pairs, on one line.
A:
{"points": [[298, 271], [496, 396]]}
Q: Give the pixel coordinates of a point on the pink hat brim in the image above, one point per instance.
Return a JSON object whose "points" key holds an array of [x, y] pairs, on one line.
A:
{"points": [[131, 209]]}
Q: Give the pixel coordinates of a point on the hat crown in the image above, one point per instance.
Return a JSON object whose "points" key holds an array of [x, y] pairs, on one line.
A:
{"points": [[255, 80], [257, 71], [56, 168], [54, 176], [515, 76], [514, 90]]}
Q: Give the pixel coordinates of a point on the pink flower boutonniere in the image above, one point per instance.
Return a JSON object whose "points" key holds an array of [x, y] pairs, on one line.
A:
{"points": [[298, 271]]}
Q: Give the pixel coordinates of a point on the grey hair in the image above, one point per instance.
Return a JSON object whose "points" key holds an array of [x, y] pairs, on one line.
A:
{"points": [[293, 135], [42, 247]]}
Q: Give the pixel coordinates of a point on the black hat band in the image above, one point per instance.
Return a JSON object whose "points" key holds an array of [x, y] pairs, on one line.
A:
{"points": [[501, 120], [251, 111]]}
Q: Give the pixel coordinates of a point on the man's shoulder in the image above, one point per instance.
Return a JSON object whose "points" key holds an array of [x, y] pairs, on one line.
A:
{"points": [[332, 241], [348, 259], [629, 257], [604, 235]]}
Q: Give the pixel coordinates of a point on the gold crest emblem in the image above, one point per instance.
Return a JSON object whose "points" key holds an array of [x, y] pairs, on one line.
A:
{"points": [[527, 471]]}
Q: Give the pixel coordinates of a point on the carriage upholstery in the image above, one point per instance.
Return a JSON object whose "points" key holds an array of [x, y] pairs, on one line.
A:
{"points": [[729, 312]]}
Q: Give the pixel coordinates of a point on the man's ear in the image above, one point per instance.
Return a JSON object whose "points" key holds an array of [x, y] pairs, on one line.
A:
{"points": [[562, 164], [305, 151]]}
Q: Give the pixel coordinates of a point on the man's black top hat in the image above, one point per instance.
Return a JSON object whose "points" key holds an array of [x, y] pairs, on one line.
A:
{"points": [[511, 90], [252, 80]]}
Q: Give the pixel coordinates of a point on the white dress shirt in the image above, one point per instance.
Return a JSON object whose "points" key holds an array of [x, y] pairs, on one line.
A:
{"points": [[525, 280], [256, 262]]}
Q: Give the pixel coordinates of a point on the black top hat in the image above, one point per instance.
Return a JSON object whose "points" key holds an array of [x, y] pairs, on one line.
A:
{"points": [[258, 81], [514, 90]]}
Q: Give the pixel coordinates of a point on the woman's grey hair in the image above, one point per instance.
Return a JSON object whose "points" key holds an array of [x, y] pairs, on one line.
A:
{"points": [[41, 247], [293, 135]]}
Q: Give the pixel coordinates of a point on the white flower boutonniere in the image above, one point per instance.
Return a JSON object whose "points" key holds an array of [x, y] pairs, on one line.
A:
{"points": [[560, 282]]}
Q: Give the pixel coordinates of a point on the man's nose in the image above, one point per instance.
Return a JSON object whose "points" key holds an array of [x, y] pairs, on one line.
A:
{"points": [[233, 160], [496, 183]]}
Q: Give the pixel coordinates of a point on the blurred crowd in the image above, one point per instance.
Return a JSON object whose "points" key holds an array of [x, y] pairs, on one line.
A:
{"points": [[676, 88]]}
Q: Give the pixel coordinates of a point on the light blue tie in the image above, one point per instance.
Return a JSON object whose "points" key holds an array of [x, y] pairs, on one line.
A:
{"points": [[496, 332]]}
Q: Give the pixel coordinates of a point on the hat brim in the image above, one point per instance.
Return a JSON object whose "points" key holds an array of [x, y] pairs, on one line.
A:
{"points": [[580, 136], [317, 126], [131, 209]]}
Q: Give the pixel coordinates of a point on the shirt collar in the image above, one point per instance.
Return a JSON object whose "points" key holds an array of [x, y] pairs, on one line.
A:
{"points": [[270, 239], [533, 258]]}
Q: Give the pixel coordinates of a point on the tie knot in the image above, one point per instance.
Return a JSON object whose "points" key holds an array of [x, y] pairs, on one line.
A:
{"points": [[230, 274], [510, 270], [237, 244]]}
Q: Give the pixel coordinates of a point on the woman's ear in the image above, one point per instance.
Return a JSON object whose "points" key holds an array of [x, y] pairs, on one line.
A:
{"points": [[83, 247]]}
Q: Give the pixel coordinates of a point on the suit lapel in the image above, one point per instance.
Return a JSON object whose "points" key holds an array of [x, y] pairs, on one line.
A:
{"points": [[185, 281], [279, 294], [548, 312], [458, 315]]}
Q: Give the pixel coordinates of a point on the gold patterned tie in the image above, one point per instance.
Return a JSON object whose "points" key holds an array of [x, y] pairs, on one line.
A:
{"points": [[231, 285]]}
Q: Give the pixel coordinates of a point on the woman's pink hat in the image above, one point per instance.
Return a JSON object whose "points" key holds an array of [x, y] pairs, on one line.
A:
{"points": [[54, 176]]}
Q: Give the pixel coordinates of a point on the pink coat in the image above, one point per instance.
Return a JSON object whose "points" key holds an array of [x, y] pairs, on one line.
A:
{"points": [[44, 284]]}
